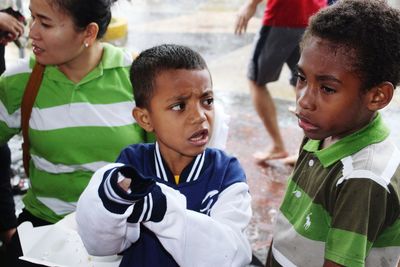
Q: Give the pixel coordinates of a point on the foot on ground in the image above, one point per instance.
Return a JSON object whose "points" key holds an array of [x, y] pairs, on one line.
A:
{"points": [[290, 160], [261, 157]]}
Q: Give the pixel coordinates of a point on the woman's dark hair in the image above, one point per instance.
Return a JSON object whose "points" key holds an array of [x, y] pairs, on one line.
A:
{"points": [[84, 12], [368, 31], [151, 62]]}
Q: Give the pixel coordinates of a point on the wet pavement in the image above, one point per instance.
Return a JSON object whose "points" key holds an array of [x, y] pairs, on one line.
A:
{"points": [[207, 26], [267, 183]]}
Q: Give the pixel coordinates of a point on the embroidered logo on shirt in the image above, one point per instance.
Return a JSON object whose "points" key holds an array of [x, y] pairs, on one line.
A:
{"points": [[208, 201], [308, 221]]}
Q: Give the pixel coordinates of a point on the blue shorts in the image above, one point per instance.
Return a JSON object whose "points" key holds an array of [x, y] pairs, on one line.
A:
{"points": [[274, 46]]}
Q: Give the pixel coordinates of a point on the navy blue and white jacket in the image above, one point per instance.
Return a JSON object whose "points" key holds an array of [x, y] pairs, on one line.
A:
{"points": [[199, 222]]}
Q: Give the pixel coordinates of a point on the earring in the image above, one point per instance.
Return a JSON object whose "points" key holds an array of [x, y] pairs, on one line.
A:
{"points": [[86, 45]]}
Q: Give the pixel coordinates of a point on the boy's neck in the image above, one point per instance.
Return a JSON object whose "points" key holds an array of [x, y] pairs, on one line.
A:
{"points": [[327, 142], [177, 164], [330, 140]]}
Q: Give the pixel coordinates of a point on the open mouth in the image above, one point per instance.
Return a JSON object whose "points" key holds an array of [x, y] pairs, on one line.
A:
{"points": [[36, 49], [199, 138]]}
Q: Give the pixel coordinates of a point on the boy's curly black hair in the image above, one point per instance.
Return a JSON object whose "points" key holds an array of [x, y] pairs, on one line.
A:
{"points": [[369, 31], [151, 62]]}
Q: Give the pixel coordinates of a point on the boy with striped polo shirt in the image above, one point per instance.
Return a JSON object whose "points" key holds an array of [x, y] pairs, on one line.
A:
{"points": [[342, 204], [175, 202]]}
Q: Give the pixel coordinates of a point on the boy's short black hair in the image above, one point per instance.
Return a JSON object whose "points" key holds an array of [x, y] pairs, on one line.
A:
{"points": [[368, 31], [152, 61]]}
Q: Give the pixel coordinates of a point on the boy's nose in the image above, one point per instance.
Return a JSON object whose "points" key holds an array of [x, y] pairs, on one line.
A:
{"points": [[306, 98], [197, 115]]}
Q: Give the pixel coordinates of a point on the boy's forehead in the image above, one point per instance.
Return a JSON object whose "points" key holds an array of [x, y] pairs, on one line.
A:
{"points": [[337, 53], [176, 83], [173, 71], [176, 75], [322, 43]]}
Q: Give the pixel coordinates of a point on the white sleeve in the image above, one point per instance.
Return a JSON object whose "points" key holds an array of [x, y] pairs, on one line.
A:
{"points": [[219, 136], [195, 239], [102, 232]]}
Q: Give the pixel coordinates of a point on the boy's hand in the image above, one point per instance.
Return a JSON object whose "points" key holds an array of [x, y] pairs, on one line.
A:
{"points": [[125, 184], [10, 27]]}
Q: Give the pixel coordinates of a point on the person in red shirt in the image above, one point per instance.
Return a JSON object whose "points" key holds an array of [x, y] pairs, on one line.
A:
{"points": [[277, 43]]}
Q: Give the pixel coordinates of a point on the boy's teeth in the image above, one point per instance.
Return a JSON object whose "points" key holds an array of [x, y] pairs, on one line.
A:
{"points": [[197, 137], [194, 138]]}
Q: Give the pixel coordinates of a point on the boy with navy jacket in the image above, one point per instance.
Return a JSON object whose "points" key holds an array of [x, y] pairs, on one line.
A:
{"points": [[175, 202]]}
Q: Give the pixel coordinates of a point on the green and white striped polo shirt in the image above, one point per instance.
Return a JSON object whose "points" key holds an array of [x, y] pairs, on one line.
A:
{"points": [[342, 203], [75, 128]]}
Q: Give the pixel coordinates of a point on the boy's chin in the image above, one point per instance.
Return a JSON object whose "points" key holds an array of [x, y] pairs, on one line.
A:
{"points": [[314, 136]]}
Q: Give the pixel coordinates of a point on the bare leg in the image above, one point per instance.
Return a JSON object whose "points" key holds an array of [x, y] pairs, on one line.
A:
{"points": [[290, 160], [265, 108]]}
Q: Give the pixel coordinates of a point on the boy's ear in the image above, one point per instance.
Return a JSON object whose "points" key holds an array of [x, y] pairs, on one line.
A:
{"points": [[142, 117], [380, 96]]}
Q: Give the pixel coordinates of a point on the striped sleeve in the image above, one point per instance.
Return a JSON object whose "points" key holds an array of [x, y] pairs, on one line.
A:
{"points": [[12, 85], [149, 203]]}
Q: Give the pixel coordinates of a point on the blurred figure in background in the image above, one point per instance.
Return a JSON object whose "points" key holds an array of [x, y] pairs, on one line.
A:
{"points": [[277, 43]]}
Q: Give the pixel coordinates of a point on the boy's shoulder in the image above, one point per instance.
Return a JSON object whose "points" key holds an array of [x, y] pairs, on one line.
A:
{"points": [[141, 148], [136, 153], [148, 148], [215, 164], [214, 158], [221, 161], [219, 153], [379, 162], [374, 134]]}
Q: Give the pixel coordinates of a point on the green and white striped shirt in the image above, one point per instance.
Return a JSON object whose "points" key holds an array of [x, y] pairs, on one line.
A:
{"points": [[342, 203], [74, 129]]}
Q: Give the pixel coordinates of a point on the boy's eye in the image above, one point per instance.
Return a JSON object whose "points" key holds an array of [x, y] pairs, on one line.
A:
{"points": [[178, 106], [328, 90], [208, 101], [300, 77]]}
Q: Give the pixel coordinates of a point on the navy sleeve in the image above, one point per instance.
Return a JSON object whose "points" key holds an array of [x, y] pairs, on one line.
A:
{"points": [[149, 202]]}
